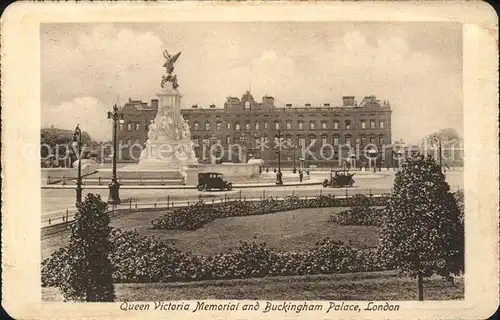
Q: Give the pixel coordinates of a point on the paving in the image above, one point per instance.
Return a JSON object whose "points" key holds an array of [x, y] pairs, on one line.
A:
{"points": [[57, 201]]}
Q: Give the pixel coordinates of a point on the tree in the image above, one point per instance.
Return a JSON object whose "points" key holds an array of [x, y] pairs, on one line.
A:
{"points": [[54, 140], [88, 274], [448, 137], [422, 232]]}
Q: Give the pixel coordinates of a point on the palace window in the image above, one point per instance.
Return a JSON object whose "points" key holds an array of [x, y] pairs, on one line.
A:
{"points": [[372, 124], [301, 125], [196, 126], [277, 125], [372, 140], [323, 141], [312, 141], [288, 125], [335, 124], [348, 124], [137, 126], [247, 126], [302, 142], [121, 126], [335, 141], [381, 123], [120, 142], [237, 126], [323, 125], [228, 125], [129, 142], [363, 140], [363, 124], [381, 141], [218, 126], [312, 125], [257, 126], [265, 125], [289, 141], [348, 140], [129, 126], [247, 105], [136, 141], [207, 125], [228, 140]]}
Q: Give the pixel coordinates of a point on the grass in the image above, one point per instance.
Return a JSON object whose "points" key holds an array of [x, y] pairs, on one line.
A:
{"points": [[283, 231], [354, 286]]}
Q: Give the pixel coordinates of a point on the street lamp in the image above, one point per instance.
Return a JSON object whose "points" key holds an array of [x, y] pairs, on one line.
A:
{"points": [[436, 138], [114, 186], [373, 155], [279, 178], [77, 142], [400, 157]]}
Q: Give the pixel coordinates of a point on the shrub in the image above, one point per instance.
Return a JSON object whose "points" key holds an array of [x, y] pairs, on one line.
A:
{"points": [[199, 214], [83, 270], [144, 259], [359, 217]]}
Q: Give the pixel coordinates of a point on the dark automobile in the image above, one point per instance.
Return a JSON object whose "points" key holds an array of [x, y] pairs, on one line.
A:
{"points": [[339, 178], [212, 180]]}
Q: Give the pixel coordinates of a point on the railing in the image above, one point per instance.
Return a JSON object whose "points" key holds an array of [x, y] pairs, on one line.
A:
{"points": [[67, 215]]}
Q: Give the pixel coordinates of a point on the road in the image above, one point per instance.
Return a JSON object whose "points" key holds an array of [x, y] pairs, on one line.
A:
{"points": [[55, 201]]}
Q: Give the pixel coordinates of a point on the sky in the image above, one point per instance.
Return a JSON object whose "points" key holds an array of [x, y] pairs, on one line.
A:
{"points": [[86, 68]]}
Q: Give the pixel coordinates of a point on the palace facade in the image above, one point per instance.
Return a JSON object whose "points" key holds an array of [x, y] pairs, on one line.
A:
{"points": [[245, 128]]}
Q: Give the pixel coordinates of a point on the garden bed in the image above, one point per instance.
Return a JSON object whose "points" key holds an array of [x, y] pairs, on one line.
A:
{"points": [[199, 214]]}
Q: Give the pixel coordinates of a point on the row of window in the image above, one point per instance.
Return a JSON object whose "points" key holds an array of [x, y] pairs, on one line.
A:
{"points": [[128, 142], [132, 125], [288, 125], [288, 141], [259, 141]]}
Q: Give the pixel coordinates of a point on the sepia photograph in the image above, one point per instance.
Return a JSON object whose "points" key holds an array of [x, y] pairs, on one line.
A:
{"points": [[258, 167], [313, 155]]}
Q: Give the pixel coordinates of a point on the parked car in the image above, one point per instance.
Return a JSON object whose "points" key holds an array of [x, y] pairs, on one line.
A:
{"points": [[339, 178], [212, 180]]}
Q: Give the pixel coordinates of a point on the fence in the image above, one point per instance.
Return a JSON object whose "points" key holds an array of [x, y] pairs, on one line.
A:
{"points": [[60, 222]]}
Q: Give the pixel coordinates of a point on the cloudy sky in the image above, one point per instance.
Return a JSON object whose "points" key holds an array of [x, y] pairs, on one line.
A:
{"points": [[86, 68]]}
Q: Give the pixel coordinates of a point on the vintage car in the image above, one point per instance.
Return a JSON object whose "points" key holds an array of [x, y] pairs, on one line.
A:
{"points": [[212, 180], [339, 178]]}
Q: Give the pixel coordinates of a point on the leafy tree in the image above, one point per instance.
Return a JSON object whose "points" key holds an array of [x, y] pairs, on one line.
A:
{"points": [[88, 272], [423, 232], [59, 140]]}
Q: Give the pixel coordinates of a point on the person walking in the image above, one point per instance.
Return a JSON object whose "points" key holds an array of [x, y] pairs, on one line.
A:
{"points": [[301, 176]]}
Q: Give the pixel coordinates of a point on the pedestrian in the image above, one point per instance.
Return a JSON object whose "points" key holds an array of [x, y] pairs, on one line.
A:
{"points": [[274, 170], [301, 176], [267, 170], [307, 172]]}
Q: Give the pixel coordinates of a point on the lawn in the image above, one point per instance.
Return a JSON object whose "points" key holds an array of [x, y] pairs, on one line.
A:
{"points": [[353, 286], [284, 231]]}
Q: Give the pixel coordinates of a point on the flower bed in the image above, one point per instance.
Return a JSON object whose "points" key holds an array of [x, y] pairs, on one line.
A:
{"points": [[140, 259], [199, 214]]}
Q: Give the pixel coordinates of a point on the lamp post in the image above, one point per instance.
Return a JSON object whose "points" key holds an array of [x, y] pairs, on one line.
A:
{"points": [[373, 153], [279, 177], [114, 186], [436, 138], [77, 142]]}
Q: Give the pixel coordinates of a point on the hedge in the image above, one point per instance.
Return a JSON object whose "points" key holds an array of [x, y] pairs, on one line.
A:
{"points": [[139, 259], [199, 214]]}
